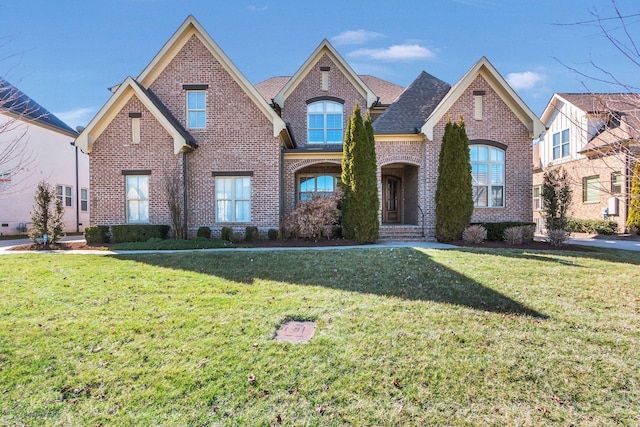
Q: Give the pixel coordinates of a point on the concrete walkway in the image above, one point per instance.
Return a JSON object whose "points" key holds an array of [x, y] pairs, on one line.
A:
{"points": [[600, 242]]}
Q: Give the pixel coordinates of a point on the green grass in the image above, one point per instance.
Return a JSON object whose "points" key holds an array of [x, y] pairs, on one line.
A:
{"points": [[173, 244], [404, 337]]}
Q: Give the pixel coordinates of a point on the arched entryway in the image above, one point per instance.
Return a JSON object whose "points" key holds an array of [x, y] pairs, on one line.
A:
{"points": [[399, 188]]}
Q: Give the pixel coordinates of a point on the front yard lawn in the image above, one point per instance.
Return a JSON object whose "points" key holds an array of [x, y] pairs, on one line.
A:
{"points": [[403, 337]]}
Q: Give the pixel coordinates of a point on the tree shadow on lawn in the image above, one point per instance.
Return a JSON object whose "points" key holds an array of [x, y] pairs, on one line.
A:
{"points": [[399, 272]]}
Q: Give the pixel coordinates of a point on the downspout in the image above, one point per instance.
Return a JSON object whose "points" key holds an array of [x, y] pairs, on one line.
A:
{"points": [[184, 194], [77, 192], [281, 185]]}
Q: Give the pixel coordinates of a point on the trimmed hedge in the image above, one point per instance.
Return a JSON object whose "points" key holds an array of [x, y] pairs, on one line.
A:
{"points": [[138, 232], [97, 234], [204, 232], [226, 234], [251, 233], [593, 226], [495, 230]]}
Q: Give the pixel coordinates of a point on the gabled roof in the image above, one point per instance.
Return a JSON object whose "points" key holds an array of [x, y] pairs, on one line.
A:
{"points": [[593, 103], [414, 105], [181, 138], [485, 69], [386, 91], [325, 48], [18, 104], [189, 28]]}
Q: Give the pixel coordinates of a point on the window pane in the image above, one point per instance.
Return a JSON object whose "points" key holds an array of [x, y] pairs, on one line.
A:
{"points": [[325, 183], [556, 152], [497, 173], [479, 174], [496, 155], [334, 121], [565, 150], [316, 121], [556, 139], [316, 136], [592, 189], [132, 210], [480, 196], [332, 107], [242, 211], [223, 210], [497, 198], [243, 190], [307, 184], [565, 135], [318, 107], [334, 136], [483, 153]]}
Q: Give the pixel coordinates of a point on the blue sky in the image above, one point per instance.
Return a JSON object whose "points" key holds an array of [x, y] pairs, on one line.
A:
{"points": [[65, 54]]}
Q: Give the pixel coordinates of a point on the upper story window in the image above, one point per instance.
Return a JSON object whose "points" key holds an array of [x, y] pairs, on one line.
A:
{"points": [[64, 194], [561, 144], [487, 174], [324, 123], [196, 109]]}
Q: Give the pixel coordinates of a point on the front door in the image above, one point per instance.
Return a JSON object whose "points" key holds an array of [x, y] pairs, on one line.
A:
{"points": [[390, 199]]}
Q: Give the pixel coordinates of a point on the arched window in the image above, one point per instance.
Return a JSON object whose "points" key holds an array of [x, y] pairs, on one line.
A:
{"points": [[324, 123], [316, 185], [487, 172]]}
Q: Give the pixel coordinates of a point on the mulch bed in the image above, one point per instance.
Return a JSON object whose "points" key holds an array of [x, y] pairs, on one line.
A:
{"points": [[302, 243]]}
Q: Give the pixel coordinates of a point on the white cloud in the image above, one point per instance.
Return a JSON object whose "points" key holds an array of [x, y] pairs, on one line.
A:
{"points": [[355, 37], [395, 52], [524, 80], [253, 8], [77, 117]]}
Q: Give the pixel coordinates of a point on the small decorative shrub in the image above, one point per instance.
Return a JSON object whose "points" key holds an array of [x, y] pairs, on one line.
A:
{"points": [[513, 235], [138, 232], [314, 218], [474, 234], [237, 237], [272, 234], [593, 226], [557, 237], [97, 234], [528, 231], [204, 232], [495, 230], [251, 233], [227, 234]]}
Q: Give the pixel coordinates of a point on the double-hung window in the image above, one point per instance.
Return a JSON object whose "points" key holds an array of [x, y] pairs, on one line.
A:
{"points": [[561, 144], [196, 109], [324, 122], [537, 197], [616, 183], [137, 198], [64, 194], [316, 185], [233, 199], [591, 189], [487, 173], [84, 199]]}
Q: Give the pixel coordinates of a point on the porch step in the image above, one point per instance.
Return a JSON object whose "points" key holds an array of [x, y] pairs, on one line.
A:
{"points": [[401, 233]]}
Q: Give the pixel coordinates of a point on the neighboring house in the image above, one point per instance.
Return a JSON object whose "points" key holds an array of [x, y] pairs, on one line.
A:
{"points": [[37, 146], [593, 136], [249, 154]]}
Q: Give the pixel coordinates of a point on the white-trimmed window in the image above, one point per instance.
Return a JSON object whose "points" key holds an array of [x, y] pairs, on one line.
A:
{"points": [[537, 197], [591, 189], [64, 193], [137, 198], [196, 109], [616, 183], [84, 199], [487, 173], [561, 144], [233, 199], [324, 122], [313, 185]]}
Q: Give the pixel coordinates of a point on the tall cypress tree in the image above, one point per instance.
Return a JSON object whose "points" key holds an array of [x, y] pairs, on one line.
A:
{"points": [[360, 204], [633, 217], [454, 191]]}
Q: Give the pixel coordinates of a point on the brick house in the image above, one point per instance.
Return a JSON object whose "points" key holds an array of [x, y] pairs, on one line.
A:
{"points": [[247, 154], [593, 136]]}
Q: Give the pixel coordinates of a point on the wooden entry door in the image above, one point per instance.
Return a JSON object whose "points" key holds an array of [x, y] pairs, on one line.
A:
{"points": [[391, 199]]}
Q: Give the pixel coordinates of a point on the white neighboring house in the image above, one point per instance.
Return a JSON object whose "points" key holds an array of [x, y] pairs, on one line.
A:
{"points": [[594, 137], [35, 145]]}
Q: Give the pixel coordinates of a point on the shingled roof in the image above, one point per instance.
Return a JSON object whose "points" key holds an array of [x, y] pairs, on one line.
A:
{"points": [[603, 102], [412, 108], [16, 102], [386, 91]]}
